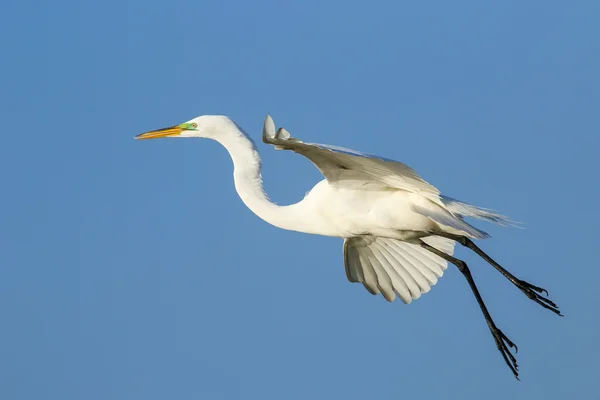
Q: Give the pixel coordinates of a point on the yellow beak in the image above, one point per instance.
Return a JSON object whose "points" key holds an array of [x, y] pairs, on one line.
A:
{"points": [[160, 133]]}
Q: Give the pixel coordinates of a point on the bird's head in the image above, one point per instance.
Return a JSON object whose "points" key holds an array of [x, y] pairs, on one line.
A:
{"points": [[204, 126]]}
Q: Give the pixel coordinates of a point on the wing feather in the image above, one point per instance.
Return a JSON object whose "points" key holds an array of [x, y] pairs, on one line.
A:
{"points": [[390, 266], [352, 263], [388, 263], [352, 169], [383, 278], [413, 266], [400, 264], [445, 217], [430, 269], [371, 283]]}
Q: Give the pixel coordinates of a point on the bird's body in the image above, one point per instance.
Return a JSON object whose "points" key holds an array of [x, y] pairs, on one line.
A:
{"points": [[399, 231], [329, 210], [345, 213]]}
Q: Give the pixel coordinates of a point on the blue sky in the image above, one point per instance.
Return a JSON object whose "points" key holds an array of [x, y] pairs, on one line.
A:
{"points": [[132, 269]]}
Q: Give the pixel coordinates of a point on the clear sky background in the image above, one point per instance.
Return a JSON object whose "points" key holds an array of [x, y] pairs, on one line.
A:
{"points": [[131, 270]]}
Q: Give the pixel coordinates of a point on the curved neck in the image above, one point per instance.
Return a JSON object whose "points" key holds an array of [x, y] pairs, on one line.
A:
{"points": [[248, 182]]}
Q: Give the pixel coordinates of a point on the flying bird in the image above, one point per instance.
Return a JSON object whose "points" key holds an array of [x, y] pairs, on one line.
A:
{"points": [[399, 231]]}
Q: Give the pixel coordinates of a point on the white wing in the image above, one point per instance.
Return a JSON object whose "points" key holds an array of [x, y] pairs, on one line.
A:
{"points": [[350, 168], [391, 267]]}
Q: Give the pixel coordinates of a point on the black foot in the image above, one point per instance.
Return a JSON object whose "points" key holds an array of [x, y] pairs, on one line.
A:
{"points": [[503, 343], [535, 293]]}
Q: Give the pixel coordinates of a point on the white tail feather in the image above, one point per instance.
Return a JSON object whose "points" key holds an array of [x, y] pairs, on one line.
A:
{"points": [[467, 210]]}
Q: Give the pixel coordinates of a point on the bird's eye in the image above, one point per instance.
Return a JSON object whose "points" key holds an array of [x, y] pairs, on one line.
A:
{"points": [[194, 125]]}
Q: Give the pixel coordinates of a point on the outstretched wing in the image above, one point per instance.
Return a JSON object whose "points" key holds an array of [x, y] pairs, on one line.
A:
{"points": [[352, 169], [392, 267]]}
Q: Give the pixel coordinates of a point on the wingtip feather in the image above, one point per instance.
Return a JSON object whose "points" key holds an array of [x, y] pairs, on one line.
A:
{"points": [[268, 131]]}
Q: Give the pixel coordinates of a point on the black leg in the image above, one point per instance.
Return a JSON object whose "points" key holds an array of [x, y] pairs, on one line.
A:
{"points": [[502, 342], [531, 291]]}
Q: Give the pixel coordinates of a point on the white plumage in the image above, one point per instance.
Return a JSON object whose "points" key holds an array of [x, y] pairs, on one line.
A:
{"points": [[399, 232], [382, 264], [391, 267]]}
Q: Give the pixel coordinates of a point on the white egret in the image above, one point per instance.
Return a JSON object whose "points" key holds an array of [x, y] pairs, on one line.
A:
{"points": [[399, 232]]}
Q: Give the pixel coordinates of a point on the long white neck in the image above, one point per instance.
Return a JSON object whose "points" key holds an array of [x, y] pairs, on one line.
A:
{"points": [[248, 182]]}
